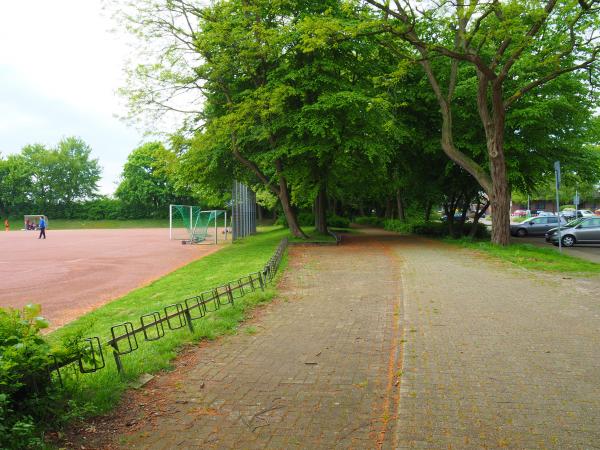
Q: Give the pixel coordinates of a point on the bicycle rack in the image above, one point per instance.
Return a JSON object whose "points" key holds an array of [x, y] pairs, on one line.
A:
{"points": [[181, 322], [128, 326], [160, 331], [96, 367], [192, 303]]}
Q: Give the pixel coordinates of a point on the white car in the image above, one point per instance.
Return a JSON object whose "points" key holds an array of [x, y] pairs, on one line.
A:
{"points": [[570, 214]]}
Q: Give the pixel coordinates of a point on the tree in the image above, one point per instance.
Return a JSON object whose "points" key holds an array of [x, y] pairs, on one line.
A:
{"points": [[515, 48], [49, 180], [284, 112], [147, 186], [15, 184]]}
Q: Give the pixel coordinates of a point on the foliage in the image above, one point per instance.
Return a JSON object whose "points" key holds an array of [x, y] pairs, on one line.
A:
{"points": [[307, 219], [148, 182], [48, 181], [369, 220], [336, 221], [26, 392], [433, 229]]}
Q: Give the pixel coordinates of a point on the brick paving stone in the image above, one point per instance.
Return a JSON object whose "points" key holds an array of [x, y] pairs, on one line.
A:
{"points": [[495, 357], [398, 342], [316, 374]]}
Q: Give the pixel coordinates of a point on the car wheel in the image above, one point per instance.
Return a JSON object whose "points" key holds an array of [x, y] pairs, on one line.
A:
{"points": [[521, 232], [568, 241]]}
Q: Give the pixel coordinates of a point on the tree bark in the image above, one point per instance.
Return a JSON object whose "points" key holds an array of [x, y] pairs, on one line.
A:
{"points": [[284, 198], [321, 210], [388, 214], [494, 131], [428, 208], [400, 205]]}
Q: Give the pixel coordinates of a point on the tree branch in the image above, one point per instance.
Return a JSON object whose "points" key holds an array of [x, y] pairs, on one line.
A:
{"points": [[509, 101]]}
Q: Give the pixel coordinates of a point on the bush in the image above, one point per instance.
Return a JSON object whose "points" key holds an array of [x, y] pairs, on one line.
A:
{"points": [[307, 219], [370, 220], [336, 221], [434, 229], [25, 384]]}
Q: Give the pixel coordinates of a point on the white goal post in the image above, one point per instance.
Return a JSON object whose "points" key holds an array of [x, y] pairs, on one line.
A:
{"points": [[31, 222], [190, 224]]}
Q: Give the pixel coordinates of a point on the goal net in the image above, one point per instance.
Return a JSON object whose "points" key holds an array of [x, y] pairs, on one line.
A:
{"points": [[32, 221], [192, 224]]}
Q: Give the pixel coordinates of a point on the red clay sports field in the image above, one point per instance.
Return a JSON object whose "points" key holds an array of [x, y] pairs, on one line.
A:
{"points": [[75, 271]]}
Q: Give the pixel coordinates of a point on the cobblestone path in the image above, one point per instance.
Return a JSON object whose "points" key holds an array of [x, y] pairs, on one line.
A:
{"points": [[320, 371], [496, 357], [394, 342]]}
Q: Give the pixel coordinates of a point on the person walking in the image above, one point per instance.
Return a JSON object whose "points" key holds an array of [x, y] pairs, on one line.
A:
{"points": [[42, 226], [6, 225]]}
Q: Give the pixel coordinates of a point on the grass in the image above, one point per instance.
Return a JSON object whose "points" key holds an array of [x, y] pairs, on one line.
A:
{"points": [[99, 392], [531, 257]]}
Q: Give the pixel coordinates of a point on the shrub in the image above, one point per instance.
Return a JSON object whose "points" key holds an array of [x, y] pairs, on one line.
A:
{"points": [[336, 221], [25, 384], [370, 220], [434, 229]]}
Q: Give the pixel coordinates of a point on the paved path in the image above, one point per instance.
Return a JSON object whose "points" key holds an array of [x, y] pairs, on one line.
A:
{"points": [[496, 357], [320, 371], [391, 342]]}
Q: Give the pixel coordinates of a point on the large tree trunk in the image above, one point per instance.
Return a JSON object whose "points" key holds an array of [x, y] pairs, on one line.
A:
{"points": [[494, 130], [389, 208], [321, 210], [284, 198], [428, 208], [500, 202], [400, 205]]}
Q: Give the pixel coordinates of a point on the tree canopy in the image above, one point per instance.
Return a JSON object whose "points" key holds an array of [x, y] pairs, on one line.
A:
{"points": [[353, 102]]}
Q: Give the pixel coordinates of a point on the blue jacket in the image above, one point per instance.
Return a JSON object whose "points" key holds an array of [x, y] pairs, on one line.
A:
{"points": [[42, 223]]}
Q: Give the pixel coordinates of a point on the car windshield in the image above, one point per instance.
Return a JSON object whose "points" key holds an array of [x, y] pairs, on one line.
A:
{"points": [[572, 223]]}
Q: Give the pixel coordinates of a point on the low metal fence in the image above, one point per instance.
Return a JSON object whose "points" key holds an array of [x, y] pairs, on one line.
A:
{"points": [[124, 336]]}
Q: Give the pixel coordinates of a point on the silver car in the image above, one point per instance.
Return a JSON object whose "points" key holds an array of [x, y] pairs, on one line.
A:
{"points": [[582, 231], [536, 226]]}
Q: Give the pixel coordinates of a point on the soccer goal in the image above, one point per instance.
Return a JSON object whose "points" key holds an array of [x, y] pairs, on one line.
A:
{"points": [[31, 222], [190, 224]]}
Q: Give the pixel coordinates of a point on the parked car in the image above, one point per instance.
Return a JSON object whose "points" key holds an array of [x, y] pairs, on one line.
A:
{"points": [[570, 224], [457, 217], [535, 226], [545, 214], [582, 231], [571, 214]]}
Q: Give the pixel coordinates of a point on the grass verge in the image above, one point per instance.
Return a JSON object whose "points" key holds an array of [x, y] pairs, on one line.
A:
{"points": [[531, 257], [98, 392]]}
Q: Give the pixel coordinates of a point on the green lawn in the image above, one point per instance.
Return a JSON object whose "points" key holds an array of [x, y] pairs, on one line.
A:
{"points": [[531, 257], [98, 392]]}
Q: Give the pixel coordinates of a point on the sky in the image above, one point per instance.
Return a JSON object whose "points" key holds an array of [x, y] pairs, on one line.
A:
{"points": [[60, 67]]}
